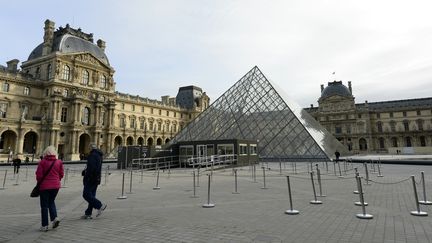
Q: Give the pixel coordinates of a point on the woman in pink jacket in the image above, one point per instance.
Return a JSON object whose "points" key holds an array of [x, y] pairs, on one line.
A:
{"points": [[49, 186]]}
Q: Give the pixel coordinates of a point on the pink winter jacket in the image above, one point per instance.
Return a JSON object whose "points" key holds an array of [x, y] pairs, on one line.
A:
{"points": [[52, 180]]}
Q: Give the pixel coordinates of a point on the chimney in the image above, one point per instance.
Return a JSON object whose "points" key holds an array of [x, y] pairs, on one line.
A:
{"points": [[322, 87], [48, 37], [349, 86], [165, 99], [12, 65], [101, 44]]}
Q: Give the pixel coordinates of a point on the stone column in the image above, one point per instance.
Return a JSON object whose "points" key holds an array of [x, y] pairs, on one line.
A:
{"points": [[19, 146]]}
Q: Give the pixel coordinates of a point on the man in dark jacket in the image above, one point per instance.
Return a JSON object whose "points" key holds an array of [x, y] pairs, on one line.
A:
{"points": [[91, 180]]}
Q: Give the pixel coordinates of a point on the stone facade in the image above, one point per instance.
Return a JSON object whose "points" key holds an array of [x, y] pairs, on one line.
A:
{"points": [[390, 127], [64, 95]]}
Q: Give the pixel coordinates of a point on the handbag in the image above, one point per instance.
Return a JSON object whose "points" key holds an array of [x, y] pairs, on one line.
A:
{"points": [[36, 192]]}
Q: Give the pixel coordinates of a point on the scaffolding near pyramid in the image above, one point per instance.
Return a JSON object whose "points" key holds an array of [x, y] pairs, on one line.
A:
{"points": [[253, 109]]}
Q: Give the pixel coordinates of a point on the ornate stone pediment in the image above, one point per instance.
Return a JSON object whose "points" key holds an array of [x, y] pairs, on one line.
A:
{"points": [[88, 58]]}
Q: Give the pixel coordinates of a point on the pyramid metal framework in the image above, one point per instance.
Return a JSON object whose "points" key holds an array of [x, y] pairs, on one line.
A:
{"points": [[252, 109]]}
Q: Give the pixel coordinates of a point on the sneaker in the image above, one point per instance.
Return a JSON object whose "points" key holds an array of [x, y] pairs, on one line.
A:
{"points": [[55, 223], [100, 210], [85, 216], [44, 228]]}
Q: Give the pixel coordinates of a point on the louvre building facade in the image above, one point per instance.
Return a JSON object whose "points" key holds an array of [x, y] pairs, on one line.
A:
{"points": [[389, 127], [64, 95]]}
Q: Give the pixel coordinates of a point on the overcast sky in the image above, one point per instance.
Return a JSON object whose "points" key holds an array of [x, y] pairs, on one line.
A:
{"points": [[384, 47]]}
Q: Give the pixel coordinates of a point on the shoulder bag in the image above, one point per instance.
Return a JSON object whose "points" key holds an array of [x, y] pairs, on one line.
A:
{"points": [[36, 192]]}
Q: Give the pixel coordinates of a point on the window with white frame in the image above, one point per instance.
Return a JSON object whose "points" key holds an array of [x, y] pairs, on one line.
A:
{"points": [[86, 116], [5, 87], [253, 149], [66, 72], [102, 81], [242, 149], [3, 110], [49, 71], [26, 91], [85, 77]]}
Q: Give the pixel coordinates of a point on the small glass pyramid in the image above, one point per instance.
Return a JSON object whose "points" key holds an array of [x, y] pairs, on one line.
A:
{"points": [[252, 109]]}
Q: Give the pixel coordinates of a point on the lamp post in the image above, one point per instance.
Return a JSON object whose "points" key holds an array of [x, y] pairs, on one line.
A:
{"points": [[34, 150], [9, 154]]}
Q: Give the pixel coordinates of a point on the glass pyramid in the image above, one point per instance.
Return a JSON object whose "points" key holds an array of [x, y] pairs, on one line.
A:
{"points": [[253, 109]]}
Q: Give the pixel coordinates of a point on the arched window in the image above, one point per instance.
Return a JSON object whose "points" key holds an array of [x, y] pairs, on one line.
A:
{"points": [[394, 142], [49, 71], [102, 81], [381, 143], [66, 72], [86, 116], [85, 77], [408, 142], [422, 141], [362, 144]]}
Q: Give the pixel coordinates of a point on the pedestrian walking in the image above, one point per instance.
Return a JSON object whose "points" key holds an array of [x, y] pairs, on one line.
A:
{"points": [[49, 185], [16, 162], [91, 180]]}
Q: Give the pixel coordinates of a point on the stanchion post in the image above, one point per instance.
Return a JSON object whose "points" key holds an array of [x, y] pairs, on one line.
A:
{"points": [[315, 201], [418, 212], [424, 201], [17, 179], [290, 211], [198, 175], [340, 172], [361, 202], [367, 173], [123, 196], [26, 173], [235, 182], [379, 170], [334, 168], [157, 187], [65, 178], [356, 175], [130, 181], [295, 167], [4, 181], [194, 185], [208, 204], [264, 179], [319, 182], [280, 168], [362, 215]]}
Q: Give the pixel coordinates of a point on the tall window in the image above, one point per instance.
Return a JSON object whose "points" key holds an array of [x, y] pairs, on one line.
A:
{"points": [[406, 125], [3, 110], [159, 126], [141, 124], [391, 114], [5, 87], [418, 113], [393, 126], [422, 141], [102, 81], [338, 130], [379, 126], [404, 114], [394, 142], [63, 117], [408, 142], [49, 71], [381, 143], [132, 123], [102, 118], [86, 116], [122, 122], [26, 90], [133, 107], [174, 127], [66, 72], [85, 77], [151, 126], [420, 124]]}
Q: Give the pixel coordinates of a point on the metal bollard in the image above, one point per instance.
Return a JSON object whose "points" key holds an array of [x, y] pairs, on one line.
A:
{"points": [[198, 176], [373, 167], [157, 187], [65, 178], [130, 182], [123, 196], [17, 179], [334, 168], [280, 168], [26, 174], [340, 172], [235, 182], [194, 185], [4, 181], [290, 211], [315, 201], [264, 187], [356, 175], [360, 203], [418, 212], [367, 174], [208, 204], [424, 201], [254, 174], [362, 215], [379, 171], [319, 182]]}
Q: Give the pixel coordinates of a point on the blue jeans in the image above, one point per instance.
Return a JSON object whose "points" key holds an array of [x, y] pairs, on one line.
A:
{"points": [[47, 198], [89, 194]]}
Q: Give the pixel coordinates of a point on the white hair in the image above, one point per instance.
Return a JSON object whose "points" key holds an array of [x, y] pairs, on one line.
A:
{"points": [[50, 150]]}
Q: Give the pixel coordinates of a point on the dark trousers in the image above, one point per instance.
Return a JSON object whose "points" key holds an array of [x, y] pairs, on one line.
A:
{"points": [[89, 194], [47, 204], [16, 169]]}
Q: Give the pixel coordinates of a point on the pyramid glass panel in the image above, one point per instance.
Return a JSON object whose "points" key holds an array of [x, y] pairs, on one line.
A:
{"points": [[254, 109]]}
